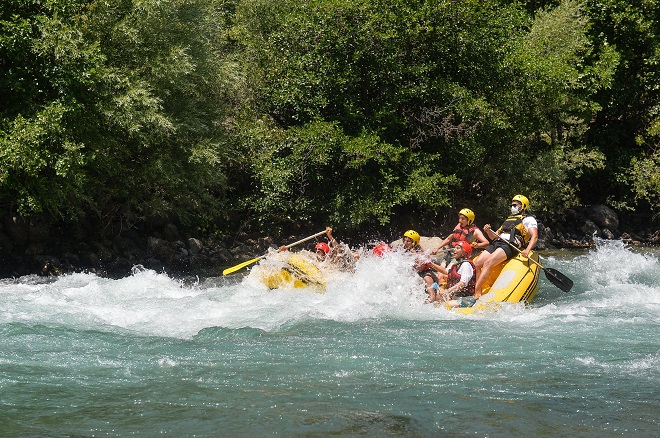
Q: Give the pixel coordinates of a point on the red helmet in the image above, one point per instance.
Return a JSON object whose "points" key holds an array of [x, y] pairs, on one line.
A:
{"points": [[381, 249], [467, 248], [323, 247]]}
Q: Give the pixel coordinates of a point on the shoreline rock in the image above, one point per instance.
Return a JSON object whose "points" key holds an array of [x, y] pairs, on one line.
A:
{"points": [[33, 247]]}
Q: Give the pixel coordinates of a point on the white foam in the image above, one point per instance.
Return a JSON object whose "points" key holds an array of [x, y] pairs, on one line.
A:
{"points": [[612, 280]]}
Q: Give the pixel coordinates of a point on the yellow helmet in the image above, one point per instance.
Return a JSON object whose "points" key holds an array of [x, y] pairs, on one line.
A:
{"points": [[414, 235], [468, 214], [523, 200]]}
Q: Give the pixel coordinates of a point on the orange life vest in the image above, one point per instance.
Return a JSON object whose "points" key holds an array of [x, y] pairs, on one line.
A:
{"points": [[461, 233]]}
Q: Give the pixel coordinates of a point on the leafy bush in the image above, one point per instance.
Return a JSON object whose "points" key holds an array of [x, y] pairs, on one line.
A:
{"points": [[318, 173], [111, 108]]}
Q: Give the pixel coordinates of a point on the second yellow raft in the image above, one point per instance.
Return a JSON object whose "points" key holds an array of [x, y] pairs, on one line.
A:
{"points": [[298, 272]]}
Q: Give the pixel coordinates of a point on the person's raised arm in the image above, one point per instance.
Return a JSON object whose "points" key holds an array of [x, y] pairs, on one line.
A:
{"points": [[442, 244], [334, 245], [439, 268], [480, 240]]}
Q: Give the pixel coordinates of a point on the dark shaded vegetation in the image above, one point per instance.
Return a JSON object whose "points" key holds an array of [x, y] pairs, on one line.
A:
{"points": [[274, 117]]}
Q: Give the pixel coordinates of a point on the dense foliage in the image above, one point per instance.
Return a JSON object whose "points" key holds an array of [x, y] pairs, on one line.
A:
{"points": [[222, 113], [109, 108]]}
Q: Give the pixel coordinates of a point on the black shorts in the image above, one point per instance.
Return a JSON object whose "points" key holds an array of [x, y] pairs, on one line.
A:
{"points": [[431, 273], [510, 252]]}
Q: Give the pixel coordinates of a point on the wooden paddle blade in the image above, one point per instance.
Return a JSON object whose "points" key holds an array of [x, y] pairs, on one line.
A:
{"points": [[240, 266], [558, 279]]}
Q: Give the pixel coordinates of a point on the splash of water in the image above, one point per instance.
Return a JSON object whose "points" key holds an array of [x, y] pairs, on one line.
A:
{"points": [[612, 279]]}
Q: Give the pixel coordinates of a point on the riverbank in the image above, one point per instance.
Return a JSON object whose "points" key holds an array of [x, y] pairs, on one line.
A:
{"points": [[32, 247]]}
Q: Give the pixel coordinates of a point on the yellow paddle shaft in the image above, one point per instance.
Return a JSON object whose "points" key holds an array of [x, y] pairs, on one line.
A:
{"points": [[249, 262]]}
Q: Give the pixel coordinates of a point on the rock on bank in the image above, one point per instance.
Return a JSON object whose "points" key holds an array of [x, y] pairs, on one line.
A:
{"points": [[31, 246]]}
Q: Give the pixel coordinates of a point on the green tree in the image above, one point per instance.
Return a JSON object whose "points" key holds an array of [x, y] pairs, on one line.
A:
{"points": [[625, 129], [407, 72], [318, 172], [487, 96], [112, 108], [554, 74]]}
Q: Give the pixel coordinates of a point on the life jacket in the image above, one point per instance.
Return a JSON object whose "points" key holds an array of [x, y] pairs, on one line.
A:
{"points": [[518, 234], [453, 277], [461, 233]]}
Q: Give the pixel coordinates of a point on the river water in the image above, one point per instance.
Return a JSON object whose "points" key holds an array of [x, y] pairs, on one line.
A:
{"points": [[149, 355]]}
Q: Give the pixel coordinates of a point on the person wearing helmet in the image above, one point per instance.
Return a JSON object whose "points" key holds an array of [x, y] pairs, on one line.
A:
{"points": [[466, 231], [411, 240], [322, 251], [338, 254], [461, 280], [422, 265], [381, 249], [519, 229]]}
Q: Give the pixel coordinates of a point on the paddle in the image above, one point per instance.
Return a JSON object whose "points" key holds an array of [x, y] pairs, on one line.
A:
{"points": [[249, 262], [554, 276], [444, 250]]}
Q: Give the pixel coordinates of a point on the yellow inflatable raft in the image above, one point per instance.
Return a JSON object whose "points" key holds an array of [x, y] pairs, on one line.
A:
{"points": [[298, 272], [511, 282]]}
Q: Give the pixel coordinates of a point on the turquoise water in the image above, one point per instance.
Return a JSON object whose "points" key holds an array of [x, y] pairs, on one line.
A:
{"points": [[149, 355]]}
